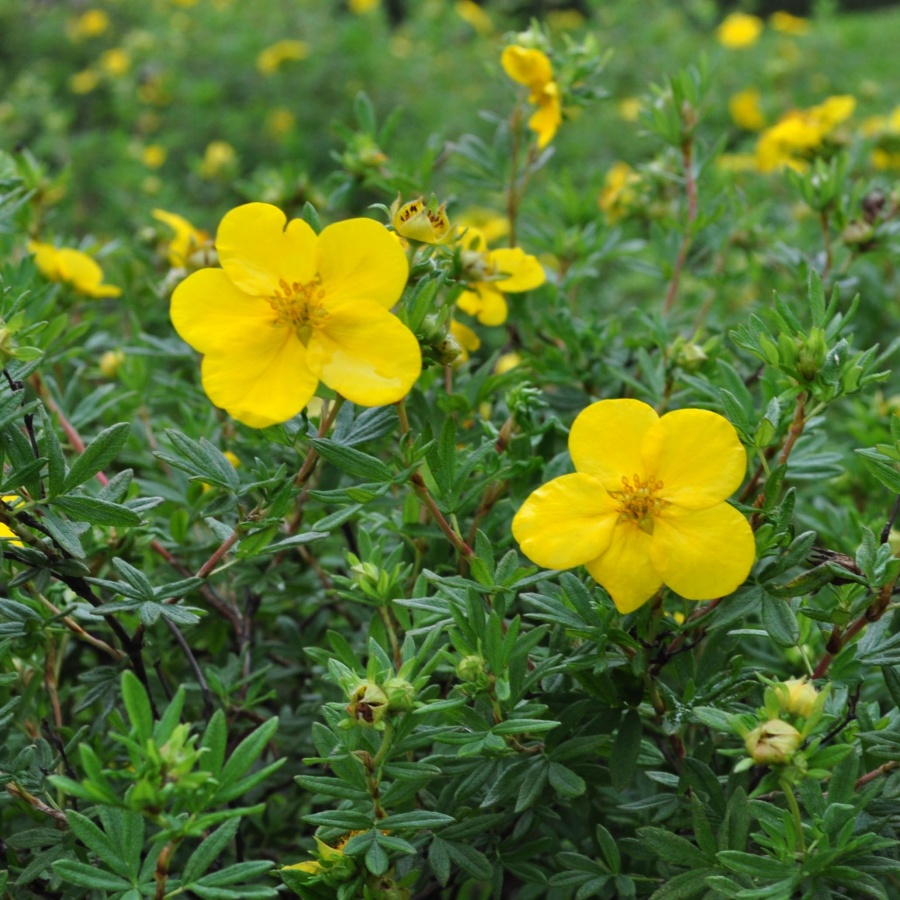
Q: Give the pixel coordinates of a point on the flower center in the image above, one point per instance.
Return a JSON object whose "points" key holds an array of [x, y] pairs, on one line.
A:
{"points": [[299, 306], [638, 501]]}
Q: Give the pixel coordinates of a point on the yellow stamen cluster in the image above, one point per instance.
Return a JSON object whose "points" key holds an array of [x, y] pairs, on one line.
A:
{"points": [[299, 306], [638, 501]]}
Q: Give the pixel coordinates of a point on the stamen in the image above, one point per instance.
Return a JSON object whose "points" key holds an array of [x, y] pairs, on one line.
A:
{"points": [[639, 502], [299, 306]]}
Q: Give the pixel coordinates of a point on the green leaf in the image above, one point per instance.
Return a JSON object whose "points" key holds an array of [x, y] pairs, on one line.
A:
{"points": [[353, 462], [204, 856], [609, 849], [684, 886], [98, 843], [422, 819], [672, 848], [565, 782], [247, 752], [884, 469], [99, 453], [625, 750], [780, 621], [214, 741], [753, 865], [376, 859], [56, 464], [96, 512], [137, 703], [83, 875], [816, 295]]}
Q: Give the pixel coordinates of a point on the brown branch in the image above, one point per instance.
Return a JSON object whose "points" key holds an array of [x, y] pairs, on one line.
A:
{"points": [[690, 190], [883, 769]]}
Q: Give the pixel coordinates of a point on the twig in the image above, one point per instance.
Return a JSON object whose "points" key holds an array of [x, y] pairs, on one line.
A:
{"points": [[883, 769], [690, 189]]}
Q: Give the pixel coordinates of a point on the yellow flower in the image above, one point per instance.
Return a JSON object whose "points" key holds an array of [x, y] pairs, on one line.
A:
{"points": [[73, 267], [467, 340], [89, 24], [290, 308], [363, 6], [533, 69], [6, 533], [507, 362], [645, 506], [492, 225], [618, 191], [787, 24], [115, 62], [187, 239], [475, 16], [736, 162], [739, 30], [110, 362], [271, 59], [745, 110], [630, 108], [84, 82], [491, 272], [153, 156], [218, 157], [420, 221]]}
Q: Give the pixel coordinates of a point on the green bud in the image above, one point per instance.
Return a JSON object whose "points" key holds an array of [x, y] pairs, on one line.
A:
{"points": [[773, 743], [797, 697], [787, 350], [400, 694], [470, 668], [769, 350], [812, 354]]}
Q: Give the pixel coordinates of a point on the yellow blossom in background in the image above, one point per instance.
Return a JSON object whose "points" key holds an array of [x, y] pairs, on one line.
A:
{"points": [[153, 90], [6, 533], [737, 162], [646, 505], [218, 158], [475, 16], [77, 269], [115, 62], [84, 82], [110, 362], [153, 156], [565, 19], [630, 108], [739, 30], [91, 23], [187, 239], [618, 192], [787, 24], [490, 273], [466, 338], [280, 122], [420, 221], [507, 362], [363, 6], [290, 308], [272, 58], [491, 224], [533, 69], [885, 160], [746, 111]]}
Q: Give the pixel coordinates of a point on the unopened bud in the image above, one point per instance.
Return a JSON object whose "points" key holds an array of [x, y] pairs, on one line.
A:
{"points": [[773, 744], [110, 361], [797, 697], [470, 668], [400, 694], [368, 704]]}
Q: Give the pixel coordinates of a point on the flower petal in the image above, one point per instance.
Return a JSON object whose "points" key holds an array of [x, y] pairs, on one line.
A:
{"points": [[261, 381], [211, 314], [546, 119], [697, 455], [485, 302], [702, 554], [365, 353], [607, 437], [625, 570], [359, 259], [84, 274], [527, 66], [565, 522], [258, 252], [524, 271]]}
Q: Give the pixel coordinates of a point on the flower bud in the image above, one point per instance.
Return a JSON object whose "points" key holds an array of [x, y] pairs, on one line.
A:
{"points": [[400, 694], [470, 668], [110, 361], [797, 697], [773, 743], [419, 221], [368, 704], [812, 354]]}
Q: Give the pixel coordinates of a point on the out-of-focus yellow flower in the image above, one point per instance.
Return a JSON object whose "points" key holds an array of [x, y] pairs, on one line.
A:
{"points": [[490, 273], [467, 340], [646, 506], [110, 362], [153, 90], [475, 16], [280, 122], [491, 224], [90, 23], [84, 82], [533, 69], [218, 158], [272, 58], [233, 458], [630, 108], [564, 19], [739, 30], [361, 7], [290, 308], [187, 240], [507, 362], [746, 111], [787, 24], [73, 267], [421, 221], [153, 156], [885, 160], [115, 62], [618, 193], [794, 139]]}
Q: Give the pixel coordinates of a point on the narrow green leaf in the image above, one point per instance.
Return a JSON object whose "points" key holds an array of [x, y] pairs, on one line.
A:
{"points": [[625, 750], [204, 856], [97, 512], [137, 704], [353, 462], [73, 872], [672, 847], [99, 453]]}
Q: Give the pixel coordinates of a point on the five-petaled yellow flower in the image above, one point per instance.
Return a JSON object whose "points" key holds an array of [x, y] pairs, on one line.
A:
{"points": [[739, 30], [73, 267], [290, 308], [646, 505], [533, 69], [491, 272]]}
